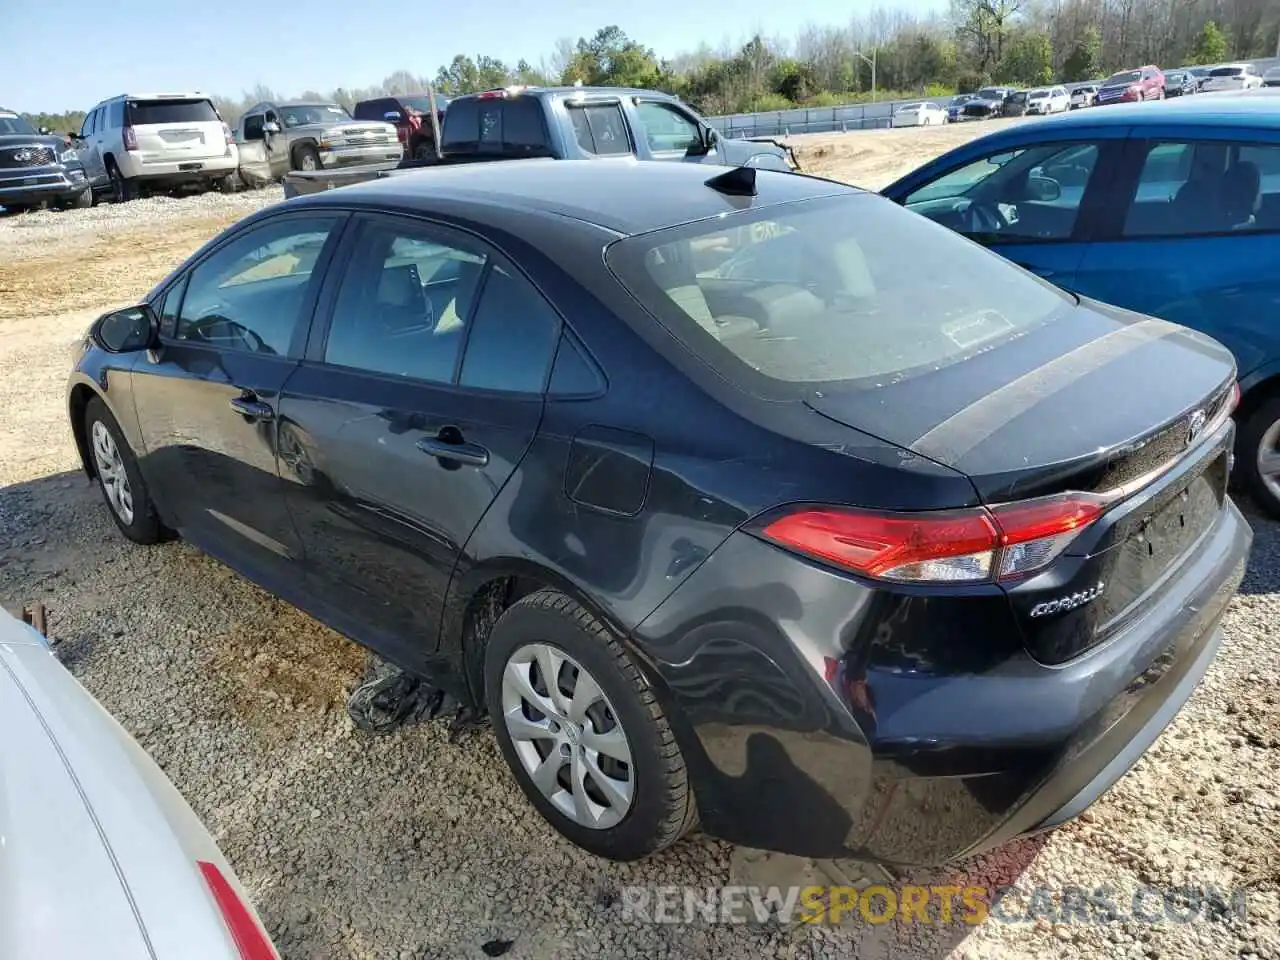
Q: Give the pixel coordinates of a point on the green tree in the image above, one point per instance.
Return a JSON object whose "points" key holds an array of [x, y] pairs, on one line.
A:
{"points": [[1083, 61], [1210, 45], [1028, 59], [611, 58]]}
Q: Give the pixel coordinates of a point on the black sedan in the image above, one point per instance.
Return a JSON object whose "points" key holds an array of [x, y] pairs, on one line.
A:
{"points": [[724, 515]]}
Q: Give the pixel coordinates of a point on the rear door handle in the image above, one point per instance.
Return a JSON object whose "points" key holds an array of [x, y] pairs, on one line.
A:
{"points": [[250, 406], [459, 450]]}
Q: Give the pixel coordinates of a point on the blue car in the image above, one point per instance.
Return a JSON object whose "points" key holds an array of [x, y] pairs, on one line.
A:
{"points": [[1169, 209]]}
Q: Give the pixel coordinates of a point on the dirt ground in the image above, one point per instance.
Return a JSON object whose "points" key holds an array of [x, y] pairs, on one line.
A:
{"points": [[409, 846]]}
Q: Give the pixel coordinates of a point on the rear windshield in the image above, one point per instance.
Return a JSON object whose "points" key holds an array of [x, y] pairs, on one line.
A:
{"points": [[143, 112], [1038, 94], [495, 125], [988, 93], [11, 123], [1128, 76], [1226, 72], [851, 288]]}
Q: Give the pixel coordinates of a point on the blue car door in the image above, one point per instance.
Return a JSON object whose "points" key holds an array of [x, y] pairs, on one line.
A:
{"points": [[1193, 236], [1031, 196]]}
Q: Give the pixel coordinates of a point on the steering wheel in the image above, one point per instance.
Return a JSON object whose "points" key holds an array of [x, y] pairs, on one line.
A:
{"points": [[983, 217]]}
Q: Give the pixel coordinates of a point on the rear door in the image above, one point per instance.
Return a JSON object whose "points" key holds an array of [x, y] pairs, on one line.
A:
{"points": [[88, 150], [421, 391], [176, 129], [1036, 203], [233, 328], [1194, 237]]}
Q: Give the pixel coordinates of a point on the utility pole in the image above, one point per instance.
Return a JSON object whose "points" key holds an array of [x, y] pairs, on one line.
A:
{"points": [[870, 61]]}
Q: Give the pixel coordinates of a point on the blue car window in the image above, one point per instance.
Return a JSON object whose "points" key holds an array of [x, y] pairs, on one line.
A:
{"points": [[1191, 189]]}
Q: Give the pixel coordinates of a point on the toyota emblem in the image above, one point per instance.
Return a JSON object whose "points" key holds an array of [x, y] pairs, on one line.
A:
{"points": [[1195, 424]]}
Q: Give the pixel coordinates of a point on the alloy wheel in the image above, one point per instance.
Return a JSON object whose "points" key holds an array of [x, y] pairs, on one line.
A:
{"points": [[1268, 457], [111, 472], [567, 736]]}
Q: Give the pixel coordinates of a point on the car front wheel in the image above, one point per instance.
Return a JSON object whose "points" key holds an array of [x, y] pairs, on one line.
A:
{"points": [[582, 731], [119, 478]]}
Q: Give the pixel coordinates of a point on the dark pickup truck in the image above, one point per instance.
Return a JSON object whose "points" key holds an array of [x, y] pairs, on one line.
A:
{"points": [[567, 123]]}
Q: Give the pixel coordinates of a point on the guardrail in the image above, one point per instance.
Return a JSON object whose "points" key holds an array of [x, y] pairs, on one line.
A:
{"points": [[854, 116]]}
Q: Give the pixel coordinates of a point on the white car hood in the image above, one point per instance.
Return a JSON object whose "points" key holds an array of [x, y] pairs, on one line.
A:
{"points": [[100, 851]]}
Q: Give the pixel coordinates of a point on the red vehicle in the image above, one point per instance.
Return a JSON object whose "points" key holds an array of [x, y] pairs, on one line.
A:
{"points": [[1142, 83], [410, 113]]}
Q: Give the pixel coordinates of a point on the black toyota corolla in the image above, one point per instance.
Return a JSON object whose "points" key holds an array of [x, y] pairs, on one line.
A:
{"points": [[755, 502]]}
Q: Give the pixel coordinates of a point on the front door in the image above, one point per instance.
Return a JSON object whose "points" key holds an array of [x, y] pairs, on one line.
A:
{"points": [[394, 439], [1195, 239], [671, 134], [207, 398], [1032, 204]]}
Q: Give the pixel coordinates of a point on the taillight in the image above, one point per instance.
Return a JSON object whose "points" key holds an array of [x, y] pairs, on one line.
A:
{"points": [[226, 132], [249, 938], [947, 546], [130, 138]]}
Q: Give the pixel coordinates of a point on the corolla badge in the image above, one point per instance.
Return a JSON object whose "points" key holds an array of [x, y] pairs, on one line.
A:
{"points": [[1070, 602], [1194, 425]]}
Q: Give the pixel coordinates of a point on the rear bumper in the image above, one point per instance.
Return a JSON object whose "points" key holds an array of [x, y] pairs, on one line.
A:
{"points": [[825, 718], [184, 171], [41, 184]]}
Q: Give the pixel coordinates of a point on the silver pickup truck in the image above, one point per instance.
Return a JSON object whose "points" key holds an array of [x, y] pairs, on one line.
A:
{"points": [[275, 138]]}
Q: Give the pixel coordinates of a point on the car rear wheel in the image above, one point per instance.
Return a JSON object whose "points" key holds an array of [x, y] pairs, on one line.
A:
{"points": [[1258, 455], [227, 184], [423, 150], [582, 731], [118, 476], [122, 190]]}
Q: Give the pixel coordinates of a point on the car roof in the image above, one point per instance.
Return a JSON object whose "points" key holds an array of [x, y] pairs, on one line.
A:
{"points": [[624, 196], [519, 91], [1254, 108]]}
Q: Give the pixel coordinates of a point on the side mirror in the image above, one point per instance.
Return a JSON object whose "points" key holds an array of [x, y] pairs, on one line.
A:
{"points": [[1043, 188], [45, 131], [270, 127], [392, 116], [127, 331]]}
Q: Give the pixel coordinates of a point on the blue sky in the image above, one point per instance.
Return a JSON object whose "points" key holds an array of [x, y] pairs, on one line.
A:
{"points": [[51, 59]]}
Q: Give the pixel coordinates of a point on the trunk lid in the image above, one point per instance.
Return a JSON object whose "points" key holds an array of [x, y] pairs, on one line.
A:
{"points": [[1087, 402]]}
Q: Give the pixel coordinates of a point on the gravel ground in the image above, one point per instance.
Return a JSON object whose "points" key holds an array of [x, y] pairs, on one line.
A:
{"points": [[409, 845]]}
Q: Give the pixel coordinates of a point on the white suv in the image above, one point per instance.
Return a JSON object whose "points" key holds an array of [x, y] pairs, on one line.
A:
{"points": [[157, 139]]}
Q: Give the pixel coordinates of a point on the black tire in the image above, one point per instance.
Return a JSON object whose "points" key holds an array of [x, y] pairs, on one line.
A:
{"points": [[306, 158], [423, 149], [121, 189], [144, 525], [1261, 427], [81, 201], [227, 184], [662, 809]]}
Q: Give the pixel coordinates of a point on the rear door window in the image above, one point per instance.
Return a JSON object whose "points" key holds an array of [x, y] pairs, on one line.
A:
{"points": [[512, 337], [1190, 188], [600, 128], [171, 110], [830, 290]]}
